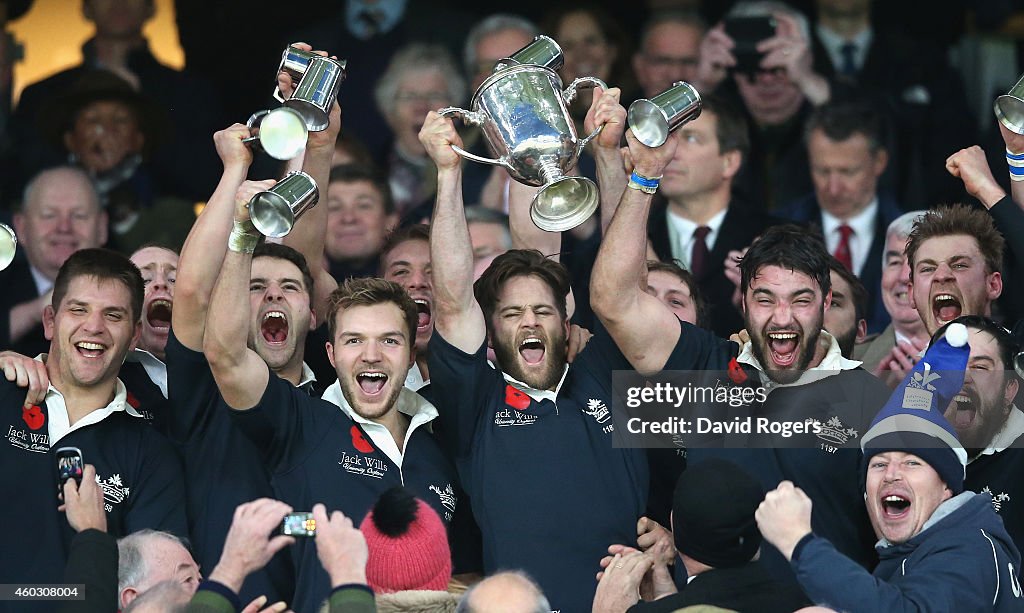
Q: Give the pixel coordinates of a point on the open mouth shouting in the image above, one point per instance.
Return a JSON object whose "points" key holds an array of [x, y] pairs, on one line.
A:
{"points": [[90, 349], [966, 409], [532, 349], [783, 347], [895, 506], [372, 382], [274, 327], [946, 307], [424, 315], [158, 314]]}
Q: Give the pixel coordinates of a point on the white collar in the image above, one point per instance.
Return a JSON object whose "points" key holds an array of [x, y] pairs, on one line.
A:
{"points": [[681, 231], [307, 375], [1013, 428], [409, 403], [59, 423], [414, 380], [833, 44], [863, 223], [831, 364], [535, 393]]}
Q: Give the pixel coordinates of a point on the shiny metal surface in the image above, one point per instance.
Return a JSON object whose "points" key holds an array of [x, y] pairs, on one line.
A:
{"points": [[543, 51], [275, 212], [651, 120], [522, 112], [317, 90], [280, 132], [8, 245], [294, 61], [1009, 108]]}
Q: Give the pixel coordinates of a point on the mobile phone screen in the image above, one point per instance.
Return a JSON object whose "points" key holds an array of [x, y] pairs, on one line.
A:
{"points": [[70, 465], [298, 524]]}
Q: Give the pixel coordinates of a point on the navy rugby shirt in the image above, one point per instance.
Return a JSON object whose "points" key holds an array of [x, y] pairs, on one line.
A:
{"points": [[826, 468], [144, 394], [222, 468], [137, 467], [997, 472], [549, 491], [316, 453]]}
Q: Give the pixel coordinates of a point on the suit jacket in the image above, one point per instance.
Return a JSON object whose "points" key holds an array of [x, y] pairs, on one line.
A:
{"points": [[877, 349], [744, 588], [808, 211], [739, 228], [18, 287]]}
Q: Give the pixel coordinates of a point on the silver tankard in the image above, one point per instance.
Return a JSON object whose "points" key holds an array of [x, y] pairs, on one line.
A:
{"points": [[274, 212], [317, 82], [651, 120], [522, 112], [8, 245], [280, 132]]}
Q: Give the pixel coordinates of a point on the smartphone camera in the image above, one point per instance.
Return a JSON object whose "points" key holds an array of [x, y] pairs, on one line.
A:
{"points": [[746, 33], [298, 524], [70, 465]]}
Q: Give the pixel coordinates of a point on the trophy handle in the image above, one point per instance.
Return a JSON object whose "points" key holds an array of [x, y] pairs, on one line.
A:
{"points": [[472, 119], [570, 94]]}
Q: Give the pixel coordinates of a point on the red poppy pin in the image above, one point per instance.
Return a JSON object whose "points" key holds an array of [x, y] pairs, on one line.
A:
{"points": [[736, 372], [33, 417], [516, 399], [359, 441]]}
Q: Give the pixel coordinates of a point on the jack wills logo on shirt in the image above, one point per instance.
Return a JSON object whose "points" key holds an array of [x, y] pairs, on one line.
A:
{"points": [[114, 490], [363, 465], [448, 499], [29, 441]]}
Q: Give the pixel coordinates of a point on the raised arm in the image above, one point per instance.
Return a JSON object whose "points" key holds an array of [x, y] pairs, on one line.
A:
{"points": [[203, 252], [611, 173], [240, 373], [307, 237], [457, 316], [644, 329]]}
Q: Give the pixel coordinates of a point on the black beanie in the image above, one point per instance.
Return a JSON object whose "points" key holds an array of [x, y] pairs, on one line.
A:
{"points": [[713, 514]]}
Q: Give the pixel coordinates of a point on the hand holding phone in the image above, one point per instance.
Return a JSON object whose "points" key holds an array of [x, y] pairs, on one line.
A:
{"points": [[746, 34]]}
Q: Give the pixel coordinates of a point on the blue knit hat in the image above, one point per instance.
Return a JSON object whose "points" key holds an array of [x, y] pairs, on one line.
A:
{"points": [[912, 420]]}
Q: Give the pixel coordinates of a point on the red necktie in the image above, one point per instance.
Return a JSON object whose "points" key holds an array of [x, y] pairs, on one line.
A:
{"points": [[699, 253], [843, 249]]}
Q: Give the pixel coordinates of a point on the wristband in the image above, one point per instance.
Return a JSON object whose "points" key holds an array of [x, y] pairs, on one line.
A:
{"points": [[1015, 161], [647, 185], [243, 237]]}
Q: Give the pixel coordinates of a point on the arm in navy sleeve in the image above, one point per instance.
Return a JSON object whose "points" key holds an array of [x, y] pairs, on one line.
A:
{"points": [[463, 385], [92, 562]]}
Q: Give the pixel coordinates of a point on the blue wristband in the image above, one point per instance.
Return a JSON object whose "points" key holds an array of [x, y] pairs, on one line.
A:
{"points": [[645, 181], [1017, 157]]}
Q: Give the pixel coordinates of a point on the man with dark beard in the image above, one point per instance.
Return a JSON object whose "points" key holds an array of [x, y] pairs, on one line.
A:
{"points": [[786, 290], [845, 317], [988, 423], [531, 437]]}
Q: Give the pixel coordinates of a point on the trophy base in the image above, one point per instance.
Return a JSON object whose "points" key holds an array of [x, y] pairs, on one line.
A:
{"points": [[1010, 112], [564, 204], [283, 133], [648, 122]]}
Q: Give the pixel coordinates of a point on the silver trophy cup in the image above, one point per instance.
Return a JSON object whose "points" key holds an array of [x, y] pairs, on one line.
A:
{"points": [[318, 80], [8, 245], [280, 132], [1009, 108], [651, 120], [522, 111], [274, 212]]}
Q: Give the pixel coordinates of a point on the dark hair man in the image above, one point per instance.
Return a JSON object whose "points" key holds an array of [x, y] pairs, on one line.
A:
{"points": [[988, 423], [844, 319], [786, 291], [513, 423], [380, 425], [92, 324], [846, 148]]}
